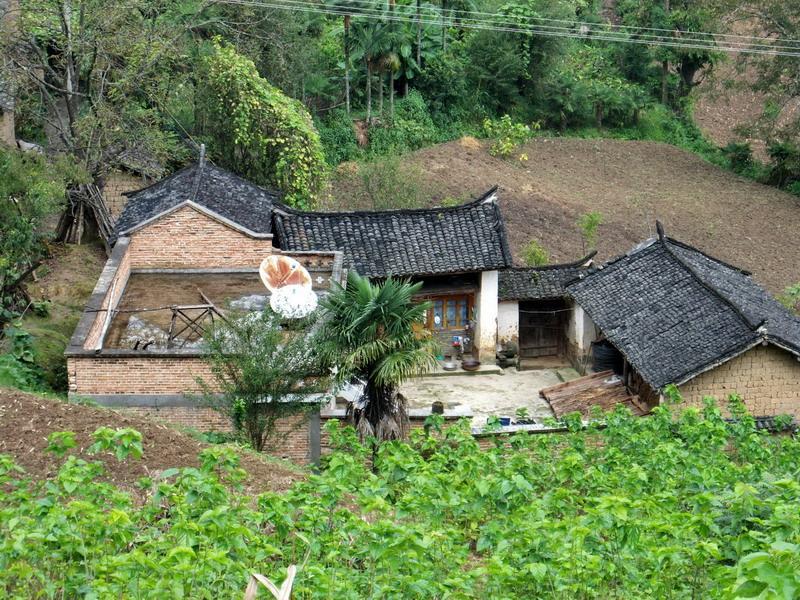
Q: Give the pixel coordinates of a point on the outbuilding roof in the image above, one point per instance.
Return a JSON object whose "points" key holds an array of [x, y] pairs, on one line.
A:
{"points": [[539, 283], [207, 187], [460, 239], [675, 312]]}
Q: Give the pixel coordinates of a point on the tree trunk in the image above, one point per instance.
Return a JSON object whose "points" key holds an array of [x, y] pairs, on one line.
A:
{"points": [[369, 93], [391, 95], [419, 34], [444, 28], [380, 94], [347, 63]]}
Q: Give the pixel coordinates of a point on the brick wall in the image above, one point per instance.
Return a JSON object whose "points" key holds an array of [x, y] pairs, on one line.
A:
{"points": [[290, 442], [113, 294], [190, 239], [766, 377], [115, 185], [151, 374]]}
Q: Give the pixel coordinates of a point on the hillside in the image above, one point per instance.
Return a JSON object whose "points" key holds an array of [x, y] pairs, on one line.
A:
{"points": [[26, 420], [631, 183]]}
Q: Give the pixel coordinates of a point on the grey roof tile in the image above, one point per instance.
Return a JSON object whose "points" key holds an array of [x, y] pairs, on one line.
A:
{"points": [[539, 283], [675, 312], [460, 239], [218, 190]]}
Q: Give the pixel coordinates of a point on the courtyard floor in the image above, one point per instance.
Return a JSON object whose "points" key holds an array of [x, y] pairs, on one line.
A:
{"points": [[489, 394]]}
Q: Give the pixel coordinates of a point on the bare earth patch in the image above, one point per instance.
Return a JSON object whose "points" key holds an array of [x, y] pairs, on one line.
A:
{"points": [[632, 184], [26, 420]]}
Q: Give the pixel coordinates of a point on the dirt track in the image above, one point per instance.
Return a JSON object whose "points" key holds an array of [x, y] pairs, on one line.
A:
{"points": [[26, 421], [632, 184]]}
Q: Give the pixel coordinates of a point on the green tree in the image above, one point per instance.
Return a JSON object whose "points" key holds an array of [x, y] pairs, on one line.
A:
{"points": [[264, 369], [374, 332], [32, 189], [257, 130]]}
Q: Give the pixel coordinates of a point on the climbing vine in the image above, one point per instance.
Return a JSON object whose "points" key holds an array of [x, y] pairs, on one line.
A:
{"points": [[258, 131]]}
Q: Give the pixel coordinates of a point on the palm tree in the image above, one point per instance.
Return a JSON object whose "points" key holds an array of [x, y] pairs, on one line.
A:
{"points": [[369, 42], [345, 6], [374, 332]]}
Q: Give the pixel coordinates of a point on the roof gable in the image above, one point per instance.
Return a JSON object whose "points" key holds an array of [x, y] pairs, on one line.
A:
{"points": [[213, 190], [675, 312], [466, 238]]}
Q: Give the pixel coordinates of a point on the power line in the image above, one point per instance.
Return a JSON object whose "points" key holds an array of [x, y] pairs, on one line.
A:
{"points": [[708, 43]]}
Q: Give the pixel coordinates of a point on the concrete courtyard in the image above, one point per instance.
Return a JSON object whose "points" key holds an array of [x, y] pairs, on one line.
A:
{"points": [[488, 394]]}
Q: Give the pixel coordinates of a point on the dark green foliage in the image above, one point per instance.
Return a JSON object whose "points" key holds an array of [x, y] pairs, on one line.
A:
{"points": [[785, 167], [740, 156], [495, 71], [338, 138]]}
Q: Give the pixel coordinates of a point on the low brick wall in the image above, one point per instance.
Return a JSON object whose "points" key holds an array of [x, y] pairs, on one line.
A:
{"points": [[766, 377], [187, 238], [147, 374], [292, 440]]}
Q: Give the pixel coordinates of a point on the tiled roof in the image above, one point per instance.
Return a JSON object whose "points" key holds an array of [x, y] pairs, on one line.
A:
{"points": [[466, 238], [539, 283], [675, 312], [204, 184]]}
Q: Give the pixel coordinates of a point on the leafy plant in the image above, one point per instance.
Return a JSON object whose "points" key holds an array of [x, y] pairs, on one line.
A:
{"points": [[260, 132], [535, 255], [507, 135], [588, 224]]}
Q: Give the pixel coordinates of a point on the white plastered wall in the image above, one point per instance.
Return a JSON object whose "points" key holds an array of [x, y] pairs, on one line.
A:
{"points": [[486, 308], [581, 332], [508, 322]]}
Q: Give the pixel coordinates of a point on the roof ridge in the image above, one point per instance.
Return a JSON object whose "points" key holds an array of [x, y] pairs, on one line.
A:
{"points": [[576, 263], [281, 207], [711, 288], [708, 256], [201, 164], [172, 175]]}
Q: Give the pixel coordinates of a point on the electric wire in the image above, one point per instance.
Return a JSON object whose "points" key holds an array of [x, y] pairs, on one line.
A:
{"points": [[683, 40]]}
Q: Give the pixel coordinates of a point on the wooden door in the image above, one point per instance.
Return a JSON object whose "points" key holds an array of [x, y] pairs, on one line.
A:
{"points": [[541, 329]]}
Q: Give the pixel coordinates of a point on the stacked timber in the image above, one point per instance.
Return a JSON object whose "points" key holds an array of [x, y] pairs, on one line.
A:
{"points": [[599, 389]]}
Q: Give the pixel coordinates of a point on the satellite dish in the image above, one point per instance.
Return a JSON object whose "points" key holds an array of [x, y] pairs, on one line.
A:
{"points": [[280, 271]]}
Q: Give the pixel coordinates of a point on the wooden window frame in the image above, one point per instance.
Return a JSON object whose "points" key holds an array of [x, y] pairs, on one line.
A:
{"points": [[444, 298]]}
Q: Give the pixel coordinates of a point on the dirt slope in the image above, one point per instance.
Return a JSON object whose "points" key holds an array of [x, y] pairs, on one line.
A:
{"points": [[26, 420], [632, 184]]}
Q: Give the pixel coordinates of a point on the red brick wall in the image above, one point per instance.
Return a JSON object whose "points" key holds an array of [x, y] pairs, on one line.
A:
{"points": [[187, 238], [136, 375]]}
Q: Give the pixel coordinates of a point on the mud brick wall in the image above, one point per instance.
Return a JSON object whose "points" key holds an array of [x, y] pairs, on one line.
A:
{"points": [[114, 188], [766, 377], [187, 238], [151, 374]]}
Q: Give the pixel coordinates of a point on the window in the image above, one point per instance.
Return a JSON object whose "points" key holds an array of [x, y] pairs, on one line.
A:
{"points": [[449, 312]]}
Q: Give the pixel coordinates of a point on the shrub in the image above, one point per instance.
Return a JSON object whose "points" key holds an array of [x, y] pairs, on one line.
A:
{"points": [[507, 135], [785, 166], [535, 255], [338, 138], [740, 156], [588, 224], [389, 183]]}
